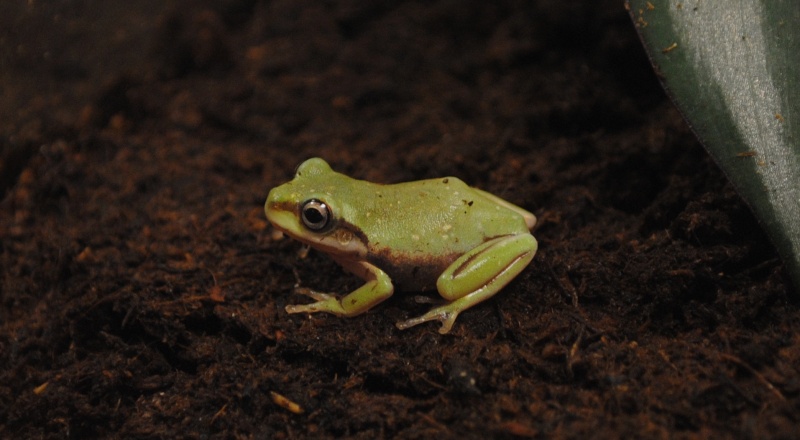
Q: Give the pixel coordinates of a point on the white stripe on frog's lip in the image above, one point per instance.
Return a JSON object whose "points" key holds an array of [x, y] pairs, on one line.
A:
{"points": [[339, 241]]}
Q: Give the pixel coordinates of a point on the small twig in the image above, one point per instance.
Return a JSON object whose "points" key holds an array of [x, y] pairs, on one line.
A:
{"points": [[219, 413], [573, 351], [760, 377], [566, 286]]}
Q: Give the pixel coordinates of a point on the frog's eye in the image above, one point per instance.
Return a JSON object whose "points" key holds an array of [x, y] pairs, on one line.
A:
{"points": [[316, 214]]}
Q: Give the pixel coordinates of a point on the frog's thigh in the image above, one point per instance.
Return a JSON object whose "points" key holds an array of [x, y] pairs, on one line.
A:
{"points": [[477, 276], [487, 268]]}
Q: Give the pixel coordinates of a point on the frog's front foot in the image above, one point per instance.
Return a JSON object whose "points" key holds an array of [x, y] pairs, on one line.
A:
{"points": [[324, 303], [445, 314]]}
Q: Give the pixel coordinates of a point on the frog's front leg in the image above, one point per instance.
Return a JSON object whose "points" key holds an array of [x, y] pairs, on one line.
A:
{"points": [[377, 288], [477, 276]]}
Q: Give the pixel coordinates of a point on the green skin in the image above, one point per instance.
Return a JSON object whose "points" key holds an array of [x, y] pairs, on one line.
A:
{"points": [[437, 233]]}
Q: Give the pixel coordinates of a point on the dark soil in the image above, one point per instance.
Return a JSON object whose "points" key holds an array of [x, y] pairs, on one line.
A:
{"points": [[143, 291]]}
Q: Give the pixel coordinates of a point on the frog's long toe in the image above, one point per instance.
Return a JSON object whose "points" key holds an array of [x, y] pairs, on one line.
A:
{"points": [[319, 296], [324, 302], [301, 308], [443, 314]]}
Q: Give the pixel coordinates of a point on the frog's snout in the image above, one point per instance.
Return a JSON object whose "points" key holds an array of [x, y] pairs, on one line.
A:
{"points": [[270, 202], [273, 203]]}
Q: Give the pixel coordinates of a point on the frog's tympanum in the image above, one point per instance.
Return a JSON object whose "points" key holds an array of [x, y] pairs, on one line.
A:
{"points": [[438, 233]]}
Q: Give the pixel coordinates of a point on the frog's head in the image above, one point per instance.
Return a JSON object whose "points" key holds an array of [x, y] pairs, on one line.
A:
{"points": [[309, 209]]}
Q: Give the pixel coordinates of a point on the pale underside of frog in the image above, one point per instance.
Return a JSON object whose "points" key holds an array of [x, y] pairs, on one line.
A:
{"points": [[430, 234]]}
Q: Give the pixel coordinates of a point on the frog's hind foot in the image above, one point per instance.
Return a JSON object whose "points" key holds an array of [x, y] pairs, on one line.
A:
{"points": [[444, 314]]}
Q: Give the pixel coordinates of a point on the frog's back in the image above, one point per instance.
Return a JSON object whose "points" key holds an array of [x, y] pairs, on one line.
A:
{"points": [[436, 216]]}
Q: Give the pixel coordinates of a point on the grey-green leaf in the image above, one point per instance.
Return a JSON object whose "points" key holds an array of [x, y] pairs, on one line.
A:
{"points": [[732, 67]]}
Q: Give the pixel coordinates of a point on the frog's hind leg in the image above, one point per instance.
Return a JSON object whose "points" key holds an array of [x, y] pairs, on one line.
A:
{"points": [[476, 276]]}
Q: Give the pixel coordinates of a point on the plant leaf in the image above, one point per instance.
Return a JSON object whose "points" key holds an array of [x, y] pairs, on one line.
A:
{"points": [[732, 69]]}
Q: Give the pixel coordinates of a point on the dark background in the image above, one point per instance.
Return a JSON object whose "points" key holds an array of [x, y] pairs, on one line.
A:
{"points": [[142, 290]]}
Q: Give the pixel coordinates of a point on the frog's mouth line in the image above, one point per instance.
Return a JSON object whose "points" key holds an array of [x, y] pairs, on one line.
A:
{"points": [[341, 241]]}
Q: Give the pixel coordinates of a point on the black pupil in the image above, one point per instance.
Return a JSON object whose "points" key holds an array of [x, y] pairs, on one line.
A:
{"points": [[314, 216]]}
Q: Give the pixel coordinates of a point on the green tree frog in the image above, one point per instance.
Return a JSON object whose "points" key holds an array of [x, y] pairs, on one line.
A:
{"points": [[438, 233]]}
